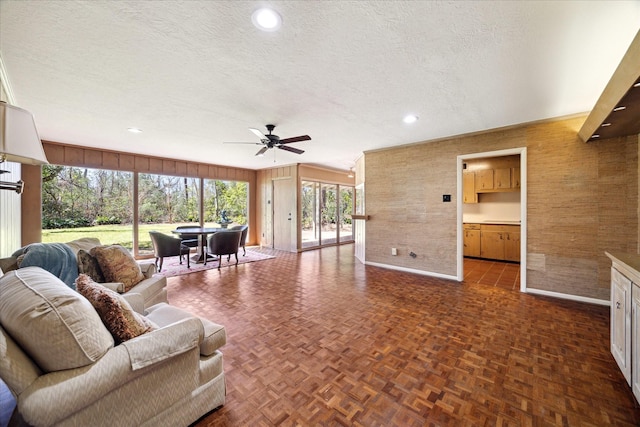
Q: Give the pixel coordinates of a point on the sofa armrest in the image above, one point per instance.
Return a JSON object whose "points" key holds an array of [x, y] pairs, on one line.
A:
{"points": [[83, 386], [164, 343], [135, 300], [114, 286], [148, 269]]}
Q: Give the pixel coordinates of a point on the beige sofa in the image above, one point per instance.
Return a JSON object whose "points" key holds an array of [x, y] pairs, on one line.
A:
{"points": [[62, 365], [151, 290]]}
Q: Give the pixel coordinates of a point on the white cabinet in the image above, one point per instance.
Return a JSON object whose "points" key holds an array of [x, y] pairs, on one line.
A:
{"points": [[635, 341], [621, 322], [625, 316]]}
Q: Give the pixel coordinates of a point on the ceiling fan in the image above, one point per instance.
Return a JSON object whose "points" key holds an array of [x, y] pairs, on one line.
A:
{"points": [[271, 141]]}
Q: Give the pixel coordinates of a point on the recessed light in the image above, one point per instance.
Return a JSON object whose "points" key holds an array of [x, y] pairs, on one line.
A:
{"points": [[410, 118], [637, 84], [604, 125], [619, 108], [134, 130], [595, 135], [266, 19]]}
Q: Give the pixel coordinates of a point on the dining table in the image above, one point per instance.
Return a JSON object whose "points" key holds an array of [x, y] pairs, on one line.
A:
{"points": [[202, 232]]}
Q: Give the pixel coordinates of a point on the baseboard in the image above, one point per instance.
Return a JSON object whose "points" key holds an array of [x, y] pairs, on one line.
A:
{"points": [[577, 298], [412, 270]]}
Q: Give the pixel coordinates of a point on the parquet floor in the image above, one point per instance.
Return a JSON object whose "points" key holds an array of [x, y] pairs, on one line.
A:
{"points": [[319, 339]]}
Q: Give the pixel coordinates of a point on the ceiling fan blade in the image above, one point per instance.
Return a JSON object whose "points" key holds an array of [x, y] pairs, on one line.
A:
{"points": [[287, 148], [233, 142], [258, 133], [262, 150], [295, 139]]}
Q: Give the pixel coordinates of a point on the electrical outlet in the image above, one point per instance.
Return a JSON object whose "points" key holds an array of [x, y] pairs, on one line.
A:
{"points": [[394, 251]]}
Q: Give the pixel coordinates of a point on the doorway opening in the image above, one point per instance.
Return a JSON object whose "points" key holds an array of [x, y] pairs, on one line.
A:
{"points": [[461, 160]]}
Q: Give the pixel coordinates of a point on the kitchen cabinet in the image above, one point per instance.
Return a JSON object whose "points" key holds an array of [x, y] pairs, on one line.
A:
{"points": [[471, 240], [625, 317], [484, 180], [512, 245], [469, 194], [492, 241], [502, 179], [501, 242], [515, 178]]}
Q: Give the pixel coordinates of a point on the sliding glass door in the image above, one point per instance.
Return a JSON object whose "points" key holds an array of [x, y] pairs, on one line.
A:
{"points": [[326, 210]]}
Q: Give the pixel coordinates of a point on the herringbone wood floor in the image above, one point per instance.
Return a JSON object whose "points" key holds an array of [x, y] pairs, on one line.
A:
{"points": [[319, 339]]}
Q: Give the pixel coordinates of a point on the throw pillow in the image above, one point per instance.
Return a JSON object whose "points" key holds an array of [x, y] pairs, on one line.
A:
{"points": [[116, 313], [56, 326], [88, 264], [118, 265]]}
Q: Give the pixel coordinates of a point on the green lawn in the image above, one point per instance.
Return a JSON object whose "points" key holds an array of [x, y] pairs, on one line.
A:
{"points": [[109, 234]]}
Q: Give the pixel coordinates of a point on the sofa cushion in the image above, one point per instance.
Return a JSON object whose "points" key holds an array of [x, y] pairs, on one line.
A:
{"points": [[54, 324], [118, 265], [88, 264], [116, 313]]}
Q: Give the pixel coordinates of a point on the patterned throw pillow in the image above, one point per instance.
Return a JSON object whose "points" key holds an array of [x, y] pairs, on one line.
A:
{"points": [[116, 313], [88, 265], [118, 265]]}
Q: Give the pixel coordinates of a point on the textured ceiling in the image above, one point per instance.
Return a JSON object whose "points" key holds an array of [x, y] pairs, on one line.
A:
{"points": [[192, 74]]}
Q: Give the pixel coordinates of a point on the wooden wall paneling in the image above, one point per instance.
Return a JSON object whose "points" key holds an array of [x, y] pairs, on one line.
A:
{"points": [[73, 156], [127, 162], [192, 170], [93, 158], [168, 167], [155, 165], [181, 168], [31, 205], [142, 164], [110, 160], [54, 153], [222, 173]]}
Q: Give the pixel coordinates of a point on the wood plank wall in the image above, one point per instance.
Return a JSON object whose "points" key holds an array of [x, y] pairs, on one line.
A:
{"points": [[582, 201]]}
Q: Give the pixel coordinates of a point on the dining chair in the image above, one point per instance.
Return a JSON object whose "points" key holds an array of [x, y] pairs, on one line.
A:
{"points": [[243, 237], [224, 242], [167, 246], [190, 240]]}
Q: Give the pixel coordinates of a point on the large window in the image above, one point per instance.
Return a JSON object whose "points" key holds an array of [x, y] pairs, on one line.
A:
{"points": [[326, 214], [84, 202]]}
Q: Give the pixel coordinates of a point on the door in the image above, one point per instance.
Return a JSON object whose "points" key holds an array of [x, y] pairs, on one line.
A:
{"points": [[283, 214]]}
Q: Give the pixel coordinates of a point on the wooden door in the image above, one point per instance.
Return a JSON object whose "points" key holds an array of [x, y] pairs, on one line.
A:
{"points": [[283, 214]]}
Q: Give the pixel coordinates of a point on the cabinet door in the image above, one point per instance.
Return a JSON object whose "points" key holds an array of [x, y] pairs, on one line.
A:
{"points": [[502, 178], [635, 341], [469, 194], [472, 243], [621, 322], [484, 179], [512, 246], [491, 244], [515, 177]]}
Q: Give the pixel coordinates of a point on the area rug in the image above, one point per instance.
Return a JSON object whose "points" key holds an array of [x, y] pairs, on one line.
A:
{"points": [[172, 267]]}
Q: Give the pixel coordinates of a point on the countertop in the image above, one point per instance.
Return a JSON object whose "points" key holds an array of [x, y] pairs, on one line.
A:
{"points": [[627, 264]]}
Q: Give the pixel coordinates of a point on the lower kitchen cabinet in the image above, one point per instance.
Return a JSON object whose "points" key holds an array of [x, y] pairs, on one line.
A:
{"points": [[500, 242], [471, 240], [625, 317]]}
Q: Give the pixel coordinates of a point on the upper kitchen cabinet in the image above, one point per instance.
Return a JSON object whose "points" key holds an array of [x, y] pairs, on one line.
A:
{"points": [[469, 194], [491, 175]]}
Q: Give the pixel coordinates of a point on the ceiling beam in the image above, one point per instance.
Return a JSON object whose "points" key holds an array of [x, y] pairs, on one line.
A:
{"points": [[622, 80]]}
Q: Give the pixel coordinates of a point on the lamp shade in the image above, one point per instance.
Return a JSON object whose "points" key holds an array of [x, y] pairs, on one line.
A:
{"points": [[19, 140]]}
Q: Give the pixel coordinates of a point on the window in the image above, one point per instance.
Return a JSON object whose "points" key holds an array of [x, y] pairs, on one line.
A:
{"points": [[225, 201], [84, 202]]}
